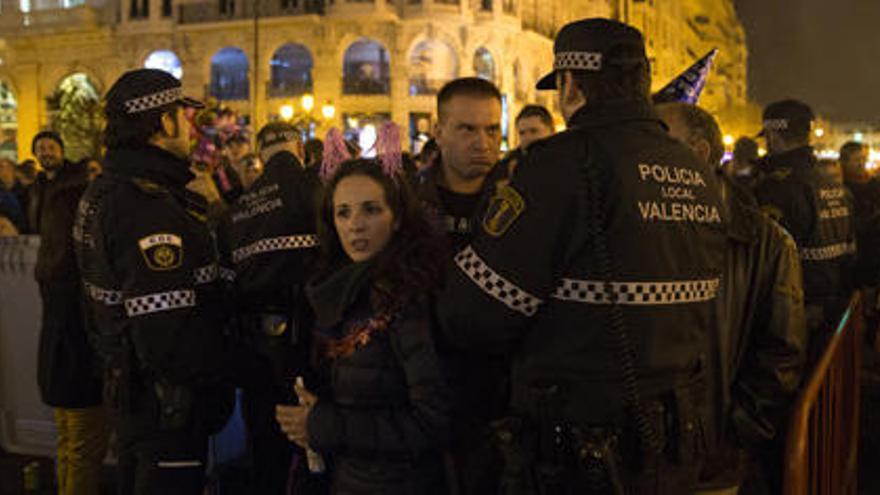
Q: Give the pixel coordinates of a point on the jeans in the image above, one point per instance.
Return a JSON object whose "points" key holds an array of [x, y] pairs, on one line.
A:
{"points": [[82, 444]]}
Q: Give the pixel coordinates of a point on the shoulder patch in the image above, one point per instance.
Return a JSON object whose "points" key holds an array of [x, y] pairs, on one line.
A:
{"points": [[504, 208], [162, 252]]}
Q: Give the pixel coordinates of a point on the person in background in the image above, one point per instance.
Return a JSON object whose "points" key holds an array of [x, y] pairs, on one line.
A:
{"points": [[314, 149], [68, 370], [757, 355], [382, 418], [93, 167], [10, 207], [534, 122], [742, 167]]}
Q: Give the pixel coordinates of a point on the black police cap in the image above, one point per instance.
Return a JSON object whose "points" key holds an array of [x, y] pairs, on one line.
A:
{"points": [[589, 45], [277, 133], [145, 89], [787, 115]]}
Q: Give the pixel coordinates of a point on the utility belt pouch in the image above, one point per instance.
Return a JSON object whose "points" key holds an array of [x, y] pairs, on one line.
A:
{"points": [[597, 451], [175, 404], [515, 443]]}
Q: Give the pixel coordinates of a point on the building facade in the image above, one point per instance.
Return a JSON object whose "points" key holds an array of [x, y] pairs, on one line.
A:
{"points": [[359, 61]]}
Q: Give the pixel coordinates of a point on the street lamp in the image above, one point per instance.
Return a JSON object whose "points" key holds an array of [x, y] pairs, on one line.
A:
{"points": [[328, 110], [286, 112], [308, 102], [728, 140], [819, 132]]}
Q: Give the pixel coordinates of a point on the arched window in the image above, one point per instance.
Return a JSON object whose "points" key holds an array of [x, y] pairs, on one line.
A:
{"points": [[365, 69], [229, 75], [75, 112], [291, 71], [484, 64], [164, 60], [8, 123], [431, 64]]}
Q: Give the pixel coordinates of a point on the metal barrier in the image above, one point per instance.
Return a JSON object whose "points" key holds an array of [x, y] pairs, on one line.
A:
{"points": [[821, 451]]}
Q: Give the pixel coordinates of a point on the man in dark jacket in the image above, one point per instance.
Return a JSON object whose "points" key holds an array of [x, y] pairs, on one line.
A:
{"points": [[866, 217], [149, 265], [757, 355], [816, 211], [468, 135], [600, 278], [67, 372], [10, 207], [268, 240]]}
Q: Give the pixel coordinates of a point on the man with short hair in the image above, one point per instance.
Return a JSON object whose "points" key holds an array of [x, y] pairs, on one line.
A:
{"points": [[534, 122], [758, 352], [600, 279], [468, 136], [149, 266], [269, 242], [816, 211]]}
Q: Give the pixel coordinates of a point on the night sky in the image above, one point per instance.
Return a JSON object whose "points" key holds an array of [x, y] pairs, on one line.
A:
{"points": [[825, 52]]}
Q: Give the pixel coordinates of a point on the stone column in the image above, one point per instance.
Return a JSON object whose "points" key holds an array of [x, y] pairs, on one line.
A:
{"points": [[30, 106]]}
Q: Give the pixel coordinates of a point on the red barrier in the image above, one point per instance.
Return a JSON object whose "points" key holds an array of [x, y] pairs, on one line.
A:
{"points": [[821, 450]]}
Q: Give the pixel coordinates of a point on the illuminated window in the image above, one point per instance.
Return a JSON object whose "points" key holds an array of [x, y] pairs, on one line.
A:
{"points": [[164, 60], [365, 69], [229, 75], [291, 67]]}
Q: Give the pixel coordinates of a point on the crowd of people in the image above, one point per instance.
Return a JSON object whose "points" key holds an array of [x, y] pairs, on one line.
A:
{"points": [[609, 309]]}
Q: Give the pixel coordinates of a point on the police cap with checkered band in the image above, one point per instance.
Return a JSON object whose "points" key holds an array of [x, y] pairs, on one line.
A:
{"points": [[787, 115], [142, 90], [590, 45]]}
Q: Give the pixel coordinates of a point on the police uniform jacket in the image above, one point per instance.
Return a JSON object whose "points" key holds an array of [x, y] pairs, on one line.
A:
{"points": [[268, 236], [149, 266], [866, 223], [763, 338], [816, 211], [531, 280]]}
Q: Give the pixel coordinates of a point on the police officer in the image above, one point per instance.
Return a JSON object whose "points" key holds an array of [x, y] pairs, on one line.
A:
{"points": [[600, 278], [813, 208], [269, 240], [149, 266]]}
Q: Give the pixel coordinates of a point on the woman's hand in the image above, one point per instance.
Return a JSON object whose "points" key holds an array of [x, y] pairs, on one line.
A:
{"points": [[292, 419]]}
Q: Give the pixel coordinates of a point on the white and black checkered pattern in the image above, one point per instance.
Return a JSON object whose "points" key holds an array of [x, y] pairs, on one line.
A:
{"points": [[826, 253], [163, 301], [776, 124], [103, 296], [494, 284], [578, 61], [275, 244], [227, 274], [637, 293], [154, 100]]}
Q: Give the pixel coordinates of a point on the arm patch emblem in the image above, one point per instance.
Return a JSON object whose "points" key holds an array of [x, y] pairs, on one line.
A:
{"points": [[162, 252], [504, 208]]}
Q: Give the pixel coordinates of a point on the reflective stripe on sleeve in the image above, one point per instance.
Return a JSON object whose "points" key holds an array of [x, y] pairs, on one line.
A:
{"points": [[163, 301], [637, 293], [275, 244], [494, 284], [103, 296]]}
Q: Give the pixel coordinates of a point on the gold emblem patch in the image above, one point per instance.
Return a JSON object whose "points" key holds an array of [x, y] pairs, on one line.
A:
{"points": [[162, 252], [504, 208]]}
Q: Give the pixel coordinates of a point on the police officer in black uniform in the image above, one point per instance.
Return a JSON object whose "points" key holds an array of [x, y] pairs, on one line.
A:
{"points": [[269, 240], [813, 208], [149, 265], [597, 266]]}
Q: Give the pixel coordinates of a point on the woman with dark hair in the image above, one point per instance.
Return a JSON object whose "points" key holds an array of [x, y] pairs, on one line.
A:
{"points": [[382, 419]]}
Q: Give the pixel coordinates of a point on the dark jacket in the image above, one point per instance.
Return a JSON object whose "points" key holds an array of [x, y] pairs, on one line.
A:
{"points": [[384, 417], [67, 371], [866, 223], [12, 210], [149, 265], [817, 212], [533, 280]]}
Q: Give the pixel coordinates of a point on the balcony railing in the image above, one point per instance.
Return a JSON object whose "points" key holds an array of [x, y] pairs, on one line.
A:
{"points": [[201, 12]]}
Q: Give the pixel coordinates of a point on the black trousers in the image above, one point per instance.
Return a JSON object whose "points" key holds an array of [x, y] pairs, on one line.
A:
{"points": [[271, 451], [155, 461]]}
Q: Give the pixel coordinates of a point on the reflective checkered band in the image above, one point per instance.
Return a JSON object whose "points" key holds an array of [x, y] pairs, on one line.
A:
{"points": [[494, 284], [826, 253], [637, 293], [103, 296], [154, 100], [578, 61], [206, 274], [776, 124], [275, 244], [163, 301], [227, 274]]}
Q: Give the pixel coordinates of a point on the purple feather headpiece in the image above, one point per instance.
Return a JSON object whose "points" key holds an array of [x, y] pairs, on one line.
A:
{"points": [[335, 153], [387, 147]]}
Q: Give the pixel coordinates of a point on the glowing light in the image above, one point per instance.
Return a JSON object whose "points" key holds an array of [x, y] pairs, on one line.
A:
{"points": [[286, 112], [353, 122], [366, 140], [762, 152], [560, 127], [858, 137], [728, 140], [819, 132], [328, 111], [308, 102]]}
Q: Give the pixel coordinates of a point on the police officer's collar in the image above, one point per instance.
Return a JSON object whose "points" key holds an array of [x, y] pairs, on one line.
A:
{"points": [[152, 163], [802, 157], [613, 112]]}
